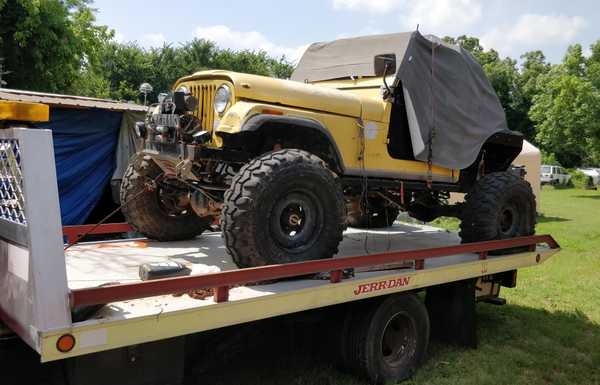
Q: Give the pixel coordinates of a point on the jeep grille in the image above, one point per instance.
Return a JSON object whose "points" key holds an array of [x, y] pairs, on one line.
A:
{"points": [[205, 112]]}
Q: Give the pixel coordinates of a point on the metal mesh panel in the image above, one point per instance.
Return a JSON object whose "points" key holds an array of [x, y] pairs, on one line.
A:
{"points": [[12, 200]]}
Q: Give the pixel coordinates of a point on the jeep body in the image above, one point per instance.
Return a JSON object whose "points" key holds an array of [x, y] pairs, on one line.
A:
{"points": [[328, 118], [216, 123]]}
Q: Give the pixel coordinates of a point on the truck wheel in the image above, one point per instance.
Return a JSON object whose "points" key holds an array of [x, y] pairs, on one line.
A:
{"points": [[379, 216], [500, 206], [284, 206], [157, 214], [386, 340]]}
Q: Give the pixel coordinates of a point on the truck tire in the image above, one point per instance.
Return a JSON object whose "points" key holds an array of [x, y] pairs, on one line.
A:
{"points": [[284, 206], [500, 206], [386, 340], [378, 216], [147, 213]]}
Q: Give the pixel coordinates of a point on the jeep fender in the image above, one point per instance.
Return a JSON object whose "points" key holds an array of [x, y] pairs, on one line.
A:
{"points": [[313, 128]]}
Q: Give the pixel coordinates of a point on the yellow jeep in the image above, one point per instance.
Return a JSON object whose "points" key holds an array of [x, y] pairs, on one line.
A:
{"points": [[365, 128]]}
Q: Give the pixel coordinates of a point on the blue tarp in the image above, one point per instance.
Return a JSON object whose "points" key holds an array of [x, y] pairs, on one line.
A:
{"points": [[85, 142]]}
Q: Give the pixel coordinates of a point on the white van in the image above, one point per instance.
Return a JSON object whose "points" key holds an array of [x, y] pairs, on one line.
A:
{"points": [[554, 175]]}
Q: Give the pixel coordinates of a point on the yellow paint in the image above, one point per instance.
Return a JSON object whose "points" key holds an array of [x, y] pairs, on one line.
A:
{"points": [[24, 112], [341, 106], [285, 92], [121, 333]]}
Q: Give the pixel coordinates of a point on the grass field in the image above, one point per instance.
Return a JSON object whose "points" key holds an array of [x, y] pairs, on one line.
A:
{"points": [[548, 333]]}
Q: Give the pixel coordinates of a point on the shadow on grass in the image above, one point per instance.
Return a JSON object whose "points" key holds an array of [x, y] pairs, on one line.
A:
{"points": [[595, 197], [519, 345], [541, 218], [567, 186]]}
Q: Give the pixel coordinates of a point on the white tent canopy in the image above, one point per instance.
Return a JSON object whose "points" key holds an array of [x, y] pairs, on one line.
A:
{"points": [[531, 158]]}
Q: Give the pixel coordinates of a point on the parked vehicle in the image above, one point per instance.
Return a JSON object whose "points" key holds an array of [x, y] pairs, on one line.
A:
{"points": [[349, 140], [554, 175], [593, 175]]}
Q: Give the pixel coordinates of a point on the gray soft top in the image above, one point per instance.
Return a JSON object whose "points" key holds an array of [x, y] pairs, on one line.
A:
{"points": [[455, 100]]}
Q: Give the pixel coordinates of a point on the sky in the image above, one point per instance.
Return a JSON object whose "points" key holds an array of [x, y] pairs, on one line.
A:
{"points": [[287, 27]]}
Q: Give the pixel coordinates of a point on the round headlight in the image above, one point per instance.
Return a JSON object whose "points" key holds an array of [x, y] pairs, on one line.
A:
{"points": [[222, 98]]}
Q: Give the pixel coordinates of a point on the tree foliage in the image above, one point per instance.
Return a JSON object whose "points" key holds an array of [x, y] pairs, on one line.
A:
{"points": [[56, 46], [123, 67], [46, 43], [567, 116], [566, 108]]}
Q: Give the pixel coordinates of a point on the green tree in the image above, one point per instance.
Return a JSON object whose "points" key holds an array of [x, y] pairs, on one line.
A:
{"points": [[473, 45], [125, 66], [121, 68], [593, 65], [533, 65], [574, 62], [566, 108], [506, 80], [46, 43], [567, 115]]}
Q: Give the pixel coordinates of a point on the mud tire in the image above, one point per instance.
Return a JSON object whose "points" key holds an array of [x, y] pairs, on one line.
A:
{"points": [[145, 213], [500, 206], [252, 218]]}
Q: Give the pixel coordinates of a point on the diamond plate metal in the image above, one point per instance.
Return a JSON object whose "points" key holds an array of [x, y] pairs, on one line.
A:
{"points": [[12, 199]]}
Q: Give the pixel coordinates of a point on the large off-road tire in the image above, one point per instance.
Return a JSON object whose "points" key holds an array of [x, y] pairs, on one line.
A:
{"points": [[386, 340], [147, 213], [376, 215], [284, 206], [500, 206]]}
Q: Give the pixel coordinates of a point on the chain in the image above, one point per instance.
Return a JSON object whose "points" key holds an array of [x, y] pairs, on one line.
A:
{"points": [[432, 129], [364, 200], [430, 159], [149, 186]]}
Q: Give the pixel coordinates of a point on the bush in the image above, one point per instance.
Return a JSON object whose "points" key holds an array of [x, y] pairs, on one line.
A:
{"points": [[578, 179], [549, 158]]}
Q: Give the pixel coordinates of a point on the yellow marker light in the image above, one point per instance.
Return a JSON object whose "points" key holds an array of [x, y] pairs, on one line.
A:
{"points": [[24, 112]]}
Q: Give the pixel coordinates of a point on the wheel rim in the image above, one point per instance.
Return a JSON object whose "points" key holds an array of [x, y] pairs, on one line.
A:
{"points": [[296, 221], [171, 202], [509, 220], [399, 341]]}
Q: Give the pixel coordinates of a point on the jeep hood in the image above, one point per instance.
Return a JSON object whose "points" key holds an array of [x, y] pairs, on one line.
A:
{"points": [[287, 92]]}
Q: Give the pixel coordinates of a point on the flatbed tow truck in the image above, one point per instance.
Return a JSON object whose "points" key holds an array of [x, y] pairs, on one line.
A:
{"points": [[87, 306]]}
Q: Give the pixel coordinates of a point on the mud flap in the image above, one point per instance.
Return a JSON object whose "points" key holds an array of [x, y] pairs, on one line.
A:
{"points": [[451, 309]]}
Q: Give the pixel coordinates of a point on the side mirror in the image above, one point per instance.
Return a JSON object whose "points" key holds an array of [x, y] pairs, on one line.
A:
{"points": [[381, 61]]}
